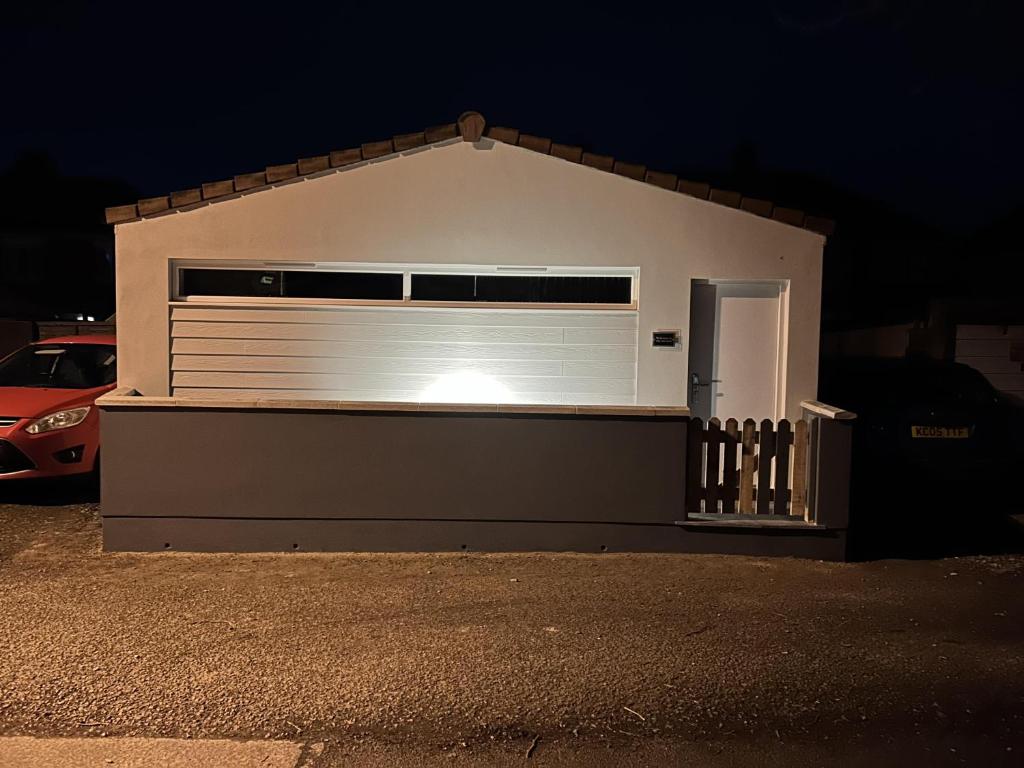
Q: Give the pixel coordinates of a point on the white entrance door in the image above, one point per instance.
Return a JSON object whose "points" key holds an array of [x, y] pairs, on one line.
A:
{"points": [[734, 342]]}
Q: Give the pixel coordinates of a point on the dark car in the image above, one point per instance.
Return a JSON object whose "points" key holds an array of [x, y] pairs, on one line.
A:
{"points": [[932, 449], [922, 413]]}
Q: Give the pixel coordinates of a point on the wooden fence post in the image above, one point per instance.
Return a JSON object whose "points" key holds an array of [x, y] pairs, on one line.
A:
{"points": [[730, 491], [782, 443], [748, 465], [711, 479], [800, 448], [765, 452]]}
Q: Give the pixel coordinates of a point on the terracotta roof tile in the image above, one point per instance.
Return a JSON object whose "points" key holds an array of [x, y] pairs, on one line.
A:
{"points": [[471, 126], [630, 170], [153, 205], [186, 197], [218, 188], [506, 135], [281, 172], [342, 157], [536, 143], [725, 197], [314, 164], [250, 181], [374, 149], [441, 132], [566, 152], [788, 216], [409, 141], [663, 180], [119, 213], [753, 205], [694, 188], [601, 162]]}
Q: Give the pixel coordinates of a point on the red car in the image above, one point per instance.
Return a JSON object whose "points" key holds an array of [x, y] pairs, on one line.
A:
{"points": [[49, 423]]}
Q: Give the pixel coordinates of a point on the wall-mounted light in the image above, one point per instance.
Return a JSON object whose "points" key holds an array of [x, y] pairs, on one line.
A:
{"points": [[466, 387]]}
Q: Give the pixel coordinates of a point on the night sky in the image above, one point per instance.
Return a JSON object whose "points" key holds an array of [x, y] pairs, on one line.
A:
{"points": [[905, 103]]}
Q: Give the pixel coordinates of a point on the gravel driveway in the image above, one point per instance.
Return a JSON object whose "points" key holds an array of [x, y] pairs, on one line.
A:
{"points": [[453, 651]]}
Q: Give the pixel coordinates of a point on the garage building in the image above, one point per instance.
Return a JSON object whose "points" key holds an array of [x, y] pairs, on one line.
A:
{"points": [[456, 277]]}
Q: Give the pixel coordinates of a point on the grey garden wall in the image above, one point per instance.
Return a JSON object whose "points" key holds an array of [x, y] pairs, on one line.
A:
{"points": [[208, 479]]}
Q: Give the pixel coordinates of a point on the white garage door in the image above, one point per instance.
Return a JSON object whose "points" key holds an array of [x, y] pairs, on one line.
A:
{"points": [[398, 353]]}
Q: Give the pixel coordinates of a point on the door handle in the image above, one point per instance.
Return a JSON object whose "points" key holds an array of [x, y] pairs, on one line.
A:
{"points": [[696, 384]]}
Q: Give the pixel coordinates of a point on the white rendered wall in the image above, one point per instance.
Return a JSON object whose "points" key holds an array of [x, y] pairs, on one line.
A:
{"points": [[461, 203]]}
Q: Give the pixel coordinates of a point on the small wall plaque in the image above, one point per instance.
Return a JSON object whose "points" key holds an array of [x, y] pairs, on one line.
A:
{"points": [[670, 339]]}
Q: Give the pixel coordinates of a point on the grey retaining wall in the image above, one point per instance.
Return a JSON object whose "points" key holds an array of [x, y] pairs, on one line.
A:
{"points": [[268, 479]]}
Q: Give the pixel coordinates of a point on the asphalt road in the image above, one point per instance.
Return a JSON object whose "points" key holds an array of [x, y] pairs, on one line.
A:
{"points": [[604, 659]]}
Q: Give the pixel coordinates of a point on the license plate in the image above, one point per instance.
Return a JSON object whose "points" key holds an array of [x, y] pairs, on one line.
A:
{"points": [[941, 432]]}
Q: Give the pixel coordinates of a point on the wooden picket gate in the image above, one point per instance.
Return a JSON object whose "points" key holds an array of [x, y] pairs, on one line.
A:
{"points": [[754, 470]]}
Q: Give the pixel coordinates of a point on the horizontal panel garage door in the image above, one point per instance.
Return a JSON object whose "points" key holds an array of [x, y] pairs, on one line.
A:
{"points": [[398, 353]]}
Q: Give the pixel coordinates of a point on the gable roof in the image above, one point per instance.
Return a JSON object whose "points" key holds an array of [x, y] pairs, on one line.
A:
{"points": [[471, 127]]}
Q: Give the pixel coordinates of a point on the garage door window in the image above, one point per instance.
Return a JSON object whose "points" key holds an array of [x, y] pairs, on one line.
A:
{"points": [[495, 287], [531, 289], [294, 284]]}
